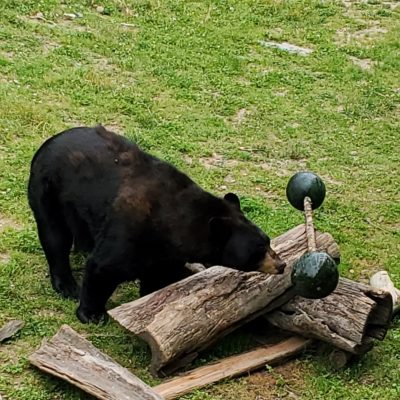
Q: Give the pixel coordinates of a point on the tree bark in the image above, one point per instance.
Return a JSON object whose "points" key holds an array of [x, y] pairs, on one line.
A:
{"points": [[71, 357], [349, 318], [186, 317]]}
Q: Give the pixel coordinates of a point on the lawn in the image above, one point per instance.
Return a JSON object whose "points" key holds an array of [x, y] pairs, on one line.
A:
{"points": [[193, 84]]}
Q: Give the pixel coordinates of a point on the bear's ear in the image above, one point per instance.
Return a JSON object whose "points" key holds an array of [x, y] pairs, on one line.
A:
{"points": [[220, 229], [233, 199]]}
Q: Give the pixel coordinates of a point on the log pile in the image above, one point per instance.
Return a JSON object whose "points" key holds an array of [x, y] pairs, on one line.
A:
{"points": [[182, 319], [185, 318]]}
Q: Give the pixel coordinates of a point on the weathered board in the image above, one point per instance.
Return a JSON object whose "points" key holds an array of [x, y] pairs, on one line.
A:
{"points": [[71, 357], [10, 329], [232, 366]]}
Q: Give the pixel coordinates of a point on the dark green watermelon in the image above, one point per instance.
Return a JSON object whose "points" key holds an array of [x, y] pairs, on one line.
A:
{"points": [[315, 275], [304, 184]]}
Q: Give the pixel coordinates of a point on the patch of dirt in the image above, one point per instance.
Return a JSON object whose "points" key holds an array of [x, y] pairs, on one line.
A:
{"points": [[391, 4], [129, 27], [39, 18], [352, 3], [73, 123], [9, 80], [217, 161], [72, 25], [229, 179], [361, 13], [49, 46], [47, 314], [331, 181], [267, 195], [8, 223], [385, 4], [240, 116], [346, 36], [187, 159], [283, 167], [364, 63], [4, 258], [395, 226], [285, 381], [118, 129], [101, 63], [8, 55], [281, 93], [244, 81]]}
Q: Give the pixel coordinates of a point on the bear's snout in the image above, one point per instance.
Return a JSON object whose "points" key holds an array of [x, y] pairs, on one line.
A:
{"points": [[272, 263]]}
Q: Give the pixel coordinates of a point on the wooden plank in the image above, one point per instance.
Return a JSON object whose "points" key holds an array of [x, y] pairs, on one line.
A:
{"points": [[231, 366], [71, 357]]}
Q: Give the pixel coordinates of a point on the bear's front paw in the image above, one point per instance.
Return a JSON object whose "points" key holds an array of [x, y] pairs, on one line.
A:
{"points": [[67, 287], [89, 316]]}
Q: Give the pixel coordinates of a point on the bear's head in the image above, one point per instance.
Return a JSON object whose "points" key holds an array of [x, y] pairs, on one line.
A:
{"points": [[242, 245]]}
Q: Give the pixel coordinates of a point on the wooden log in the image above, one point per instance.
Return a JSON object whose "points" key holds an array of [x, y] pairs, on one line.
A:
{"points": [[339, 358], [10, 329], [231, 367], [186, 317], [71, 357], [381, 280], [349, 318]]}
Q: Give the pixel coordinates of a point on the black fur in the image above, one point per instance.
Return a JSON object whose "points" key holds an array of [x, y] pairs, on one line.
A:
{"points": [[139, 217]]}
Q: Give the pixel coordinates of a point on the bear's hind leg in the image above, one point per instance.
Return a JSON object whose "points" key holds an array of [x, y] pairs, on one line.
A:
{"points": [[56, 240]]}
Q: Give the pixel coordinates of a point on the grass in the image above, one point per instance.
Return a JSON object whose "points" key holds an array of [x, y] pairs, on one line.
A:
{"points": [[190, 83]]}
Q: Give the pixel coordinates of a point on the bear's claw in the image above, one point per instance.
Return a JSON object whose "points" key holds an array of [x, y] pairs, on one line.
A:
{"points": [[87, 317]]}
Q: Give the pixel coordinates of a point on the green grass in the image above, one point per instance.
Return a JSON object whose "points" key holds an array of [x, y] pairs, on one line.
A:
{"points": [[174, 80]]}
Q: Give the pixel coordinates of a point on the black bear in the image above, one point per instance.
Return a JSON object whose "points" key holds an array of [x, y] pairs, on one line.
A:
{"points": [[137, 216]]}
